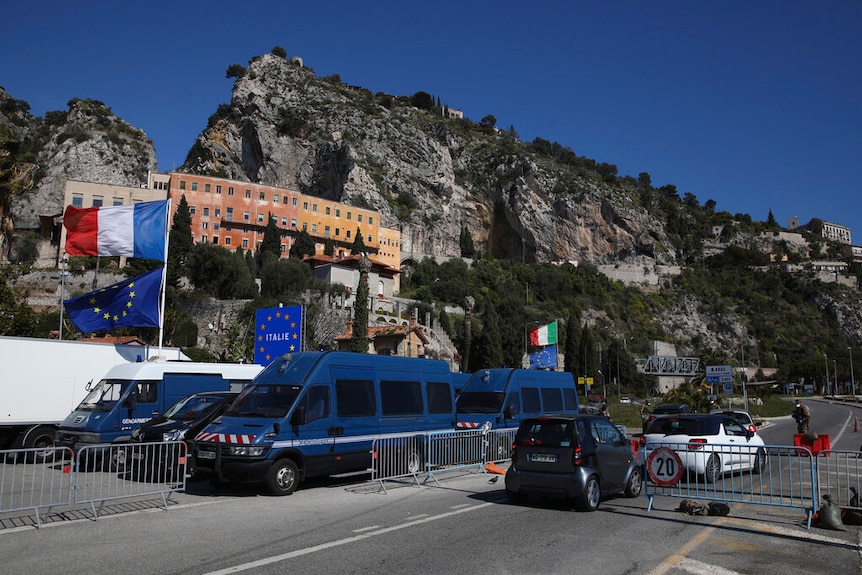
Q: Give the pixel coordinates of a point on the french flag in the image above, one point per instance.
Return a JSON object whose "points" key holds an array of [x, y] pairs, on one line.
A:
{"points": [[136, 231]]}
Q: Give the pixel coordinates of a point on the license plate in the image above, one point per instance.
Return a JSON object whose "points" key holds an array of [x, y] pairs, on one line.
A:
{"points": [[206, 454], [543, 458]]}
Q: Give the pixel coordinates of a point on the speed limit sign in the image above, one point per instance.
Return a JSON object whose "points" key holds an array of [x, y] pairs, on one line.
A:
{"points": [[664, 467]]}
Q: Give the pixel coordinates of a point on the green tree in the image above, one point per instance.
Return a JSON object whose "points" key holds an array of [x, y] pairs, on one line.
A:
{"points": [[468, 250], [572, 350], [488, 351], [220, 273], [16, 317], [180, 242], [488, 123], [279, 51], [358, 246], [303, 246], [422, 100], [328, 247], [285, 278], [770, 221], [271, 243], [359, 338], [234, 71]]}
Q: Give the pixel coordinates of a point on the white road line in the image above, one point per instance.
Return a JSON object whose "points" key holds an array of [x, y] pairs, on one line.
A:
{"points": [[345, 541], [698, 568], [364, 529]]}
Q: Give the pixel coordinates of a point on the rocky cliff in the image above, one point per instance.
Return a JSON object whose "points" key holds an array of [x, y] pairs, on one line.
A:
{"points": [[426, 174]]}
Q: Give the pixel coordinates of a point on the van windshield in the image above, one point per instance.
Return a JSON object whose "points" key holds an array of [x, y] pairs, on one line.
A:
{"points": [[264, 400], [480, 402], [103, 396]]}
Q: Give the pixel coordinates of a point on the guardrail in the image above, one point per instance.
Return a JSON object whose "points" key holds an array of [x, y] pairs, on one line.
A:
{"points": [[42, 480], [773, 475], [397, 457]]}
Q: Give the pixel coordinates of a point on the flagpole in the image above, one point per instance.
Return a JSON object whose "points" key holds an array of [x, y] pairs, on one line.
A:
{"points": [[164, 278]]}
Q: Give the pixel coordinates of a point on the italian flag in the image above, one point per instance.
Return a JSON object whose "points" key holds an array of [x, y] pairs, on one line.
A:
{"points": [[544, 335]]}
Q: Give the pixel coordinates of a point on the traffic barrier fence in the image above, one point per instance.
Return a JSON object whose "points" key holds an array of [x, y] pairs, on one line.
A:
{"points": [[43, 480], [839, 474], [781, 476]]}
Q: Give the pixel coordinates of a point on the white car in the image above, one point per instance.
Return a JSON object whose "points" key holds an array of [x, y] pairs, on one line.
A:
{"points": [[708, 445]]}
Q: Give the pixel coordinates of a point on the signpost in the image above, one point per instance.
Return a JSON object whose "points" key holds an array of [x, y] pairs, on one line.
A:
{"points": [[664, 467]]}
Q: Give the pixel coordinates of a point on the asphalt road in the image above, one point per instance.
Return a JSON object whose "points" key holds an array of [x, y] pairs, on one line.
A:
{"points": [[462, 525]]}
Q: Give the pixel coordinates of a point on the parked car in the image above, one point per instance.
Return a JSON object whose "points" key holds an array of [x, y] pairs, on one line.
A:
{"points": [[183, 419], [576, 457], [741, 416], [665, 409], [708, 445]]}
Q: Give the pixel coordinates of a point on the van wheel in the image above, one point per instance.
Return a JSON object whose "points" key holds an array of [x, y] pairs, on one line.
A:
{"points": [[589, 499], [759, 461], [283, 477], [41, 438]]}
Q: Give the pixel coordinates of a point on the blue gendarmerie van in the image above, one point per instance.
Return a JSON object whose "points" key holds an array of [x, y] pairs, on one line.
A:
{"points": [[317, 413]]}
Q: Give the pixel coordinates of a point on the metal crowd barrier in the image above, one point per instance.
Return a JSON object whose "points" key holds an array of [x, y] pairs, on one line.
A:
{"points": [[786, 478], [35, 479], [839, 474], [397, 457], [40, 479]]}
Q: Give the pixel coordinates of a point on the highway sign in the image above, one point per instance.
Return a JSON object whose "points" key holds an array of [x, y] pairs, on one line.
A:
{"points": [[719, 374]]}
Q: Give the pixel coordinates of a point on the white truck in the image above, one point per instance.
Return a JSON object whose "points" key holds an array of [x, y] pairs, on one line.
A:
{"points": [[43, 380]]}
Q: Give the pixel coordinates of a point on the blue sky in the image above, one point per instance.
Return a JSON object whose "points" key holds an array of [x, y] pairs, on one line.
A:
{"points": [[756, 104]]}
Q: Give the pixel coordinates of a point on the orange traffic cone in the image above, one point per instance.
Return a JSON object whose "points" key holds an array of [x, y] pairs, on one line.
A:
{"points": [[856, 426]]}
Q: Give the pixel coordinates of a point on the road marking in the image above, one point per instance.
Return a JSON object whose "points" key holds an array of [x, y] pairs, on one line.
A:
{"points": [[345, 541], [788, 532], [699, 568], [674, 559], [364, 529]]}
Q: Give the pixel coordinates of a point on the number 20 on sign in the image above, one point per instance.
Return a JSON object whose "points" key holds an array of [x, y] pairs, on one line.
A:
{"points": [[664, 467]]}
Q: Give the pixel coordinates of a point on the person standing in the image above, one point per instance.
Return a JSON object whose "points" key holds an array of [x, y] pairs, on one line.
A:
{"points": [[646, 411], [802, 415]]}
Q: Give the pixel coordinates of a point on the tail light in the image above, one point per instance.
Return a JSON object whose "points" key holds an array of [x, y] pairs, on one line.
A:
{"points": [[514, 453], [642, 441], [696, 443], [752, 429], [577, 456]]}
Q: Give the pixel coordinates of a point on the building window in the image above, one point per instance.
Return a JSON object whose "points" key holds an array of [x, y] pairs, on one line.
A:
{"points": [[284, 222], [77, 201], [304, 226], [118, 201], [245, 231], [229, 214], [182, 184], [274, 198], [348, 234], [216, 225], [203, 239], [206, 212], [327, 210], [194, 189], [337, 232], [207, 190], [262, 196], [245, 244], [215, 240], [218, 189], [337, 213], [192, 210], [292, 223], [248, 193], [285, 200], [314, 228], [218, 212], [283, 248], [349, 215], [370, 241], [227, 241], [370, 221], [359, 218], [230, 191], [295, 202], [314, 208], [246, 216], [205, 225], [326, 232], [260, 218], [97, 201], [305, 206]]}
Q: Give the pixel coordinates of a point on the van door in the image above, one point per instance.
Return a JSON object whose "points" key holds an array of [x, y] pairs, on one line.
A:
{"points": [[314, 432], [357, 419], [140, 405]]}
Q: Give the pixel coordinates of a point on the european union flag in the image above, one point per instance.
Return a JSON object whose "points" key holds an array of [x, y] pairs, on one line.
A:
{"points": [[544, 359], [278, 331], [130, 303]]}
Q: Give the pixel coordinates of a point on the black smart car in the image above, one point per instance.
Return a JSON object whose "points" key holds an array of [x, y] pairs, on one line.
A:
{"points": [[578, 457]]}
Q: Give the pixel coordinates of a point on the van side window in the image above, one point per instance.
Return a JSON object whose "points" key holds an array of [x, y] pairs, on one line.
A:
{"points": [[401, 398], [531, 400], [552, 399], [570, 399], [316, 403], [439, 397], [355, 397], [148, 392], [515, 402]]}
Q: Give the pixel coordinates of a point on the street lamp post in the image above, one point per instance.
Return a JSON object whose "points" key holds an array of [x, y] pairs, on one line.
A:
{"points": [[826, 360], [852, 380]]}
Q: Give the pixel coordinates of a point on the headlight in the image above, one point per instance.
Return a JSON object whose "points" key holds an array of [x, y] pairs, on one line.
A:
{"points": [[174, 435], [248, 450]]}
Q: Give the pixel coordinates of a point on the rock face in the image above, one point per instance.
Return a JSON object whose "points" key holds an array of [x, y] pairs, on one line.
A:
{"points": [[86, 143], [428, 176]]}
